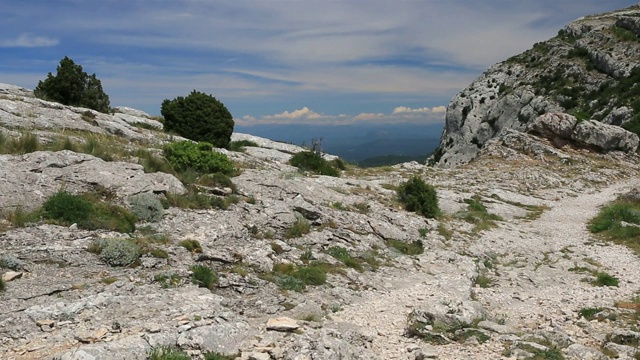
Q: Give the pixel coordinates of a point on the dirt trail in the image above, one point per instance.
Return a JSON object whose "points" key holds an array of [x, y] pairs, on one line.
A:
{"points": [[535, 292]]}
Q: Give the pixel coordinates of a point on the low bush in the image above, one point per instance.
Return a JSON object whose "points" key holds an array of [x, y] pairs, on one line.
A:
{"points": [[196, 200], [146, 207], [604, 279], [345, 257], [168, 353], [191, 245], [88, 212], [116, 252], [313, 161], [201, 157], [240, 144], [298, 228], [203, 277], [296, 278], [11, 262], [420, 197], [412, 248]]}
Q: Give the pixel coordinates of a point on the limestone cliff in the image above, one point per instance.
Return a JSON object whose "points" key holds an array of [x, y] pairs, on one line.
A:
{"points": [[589, 70]]}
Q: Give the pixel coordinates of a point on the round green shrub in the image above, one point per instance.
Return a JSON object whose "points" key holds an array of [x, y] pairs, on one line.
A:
{"points": [[68, 208], [187, 155], [313, 161], [420, 197], [146, 207], [311, 275], [118, 252], [203, 276], [199, 117], [72, 86]]}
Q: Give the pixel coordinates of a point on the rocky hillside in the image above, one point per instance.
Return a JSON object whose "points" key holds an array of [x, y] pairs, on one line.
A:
{"points": [[307, 266], [590, 70]]}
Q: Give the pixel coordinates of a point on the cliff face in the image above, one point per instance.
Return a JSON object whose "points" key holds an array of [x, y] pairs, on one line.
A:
{"points": [[589, 70]]}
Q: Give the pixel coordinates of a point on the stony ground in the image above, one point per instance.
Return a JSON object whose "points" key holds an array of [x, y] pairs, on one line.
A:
{"points": [[482, 289]]}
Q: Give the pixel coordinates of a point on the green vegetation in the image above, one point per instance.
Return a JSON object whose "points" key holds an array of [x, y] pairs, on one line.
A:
{"points": [[295, 278], [169, 280], [72, 86], [478, 215], [218, 356], [159, 253], [191, 245], [203, 277], [619, 222], [240, 144], [199, 157], [590, 313], [198, 117], [313, 161], [168, 353], [146, 207], [88, 212], [345, 257], [604, 279], [116, 252], [26, 143], [196, 200], [298, 228], [420, 197], [412, 248]]}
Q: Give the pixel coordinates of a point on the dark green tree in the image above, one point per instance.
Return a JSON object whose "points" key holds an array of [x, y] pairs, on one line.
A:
{"points": [[72, 86], [199, 117]]}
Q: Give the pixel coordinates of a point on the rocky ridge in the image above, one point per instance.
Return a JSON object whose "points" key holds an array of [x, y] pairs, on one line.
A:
{"points": [[586, 70], [501, 291]]}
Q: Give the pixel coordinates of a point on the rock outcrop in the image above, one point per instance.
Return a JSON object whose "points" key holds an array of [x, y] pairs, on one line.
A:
{"points": [[586, 70], [563, 128]]}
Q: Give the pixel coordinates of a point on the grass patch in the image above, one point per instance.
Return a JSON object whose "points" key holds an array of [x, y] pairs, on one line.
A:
{"points": [[619, 222], [604, 279], [299, 228], [204, 277], [193, 199], [483, 280], [295, 278], [167, 280], [168, 353], [412, 248], [239, 145], [191, 245], [345, 257], [313, 161], [590, 313], [478, 215]]}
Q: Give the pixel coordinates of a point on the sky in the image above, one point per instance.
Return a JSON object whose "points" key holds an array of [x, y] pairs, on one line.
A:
{"points": [[282, 62]]}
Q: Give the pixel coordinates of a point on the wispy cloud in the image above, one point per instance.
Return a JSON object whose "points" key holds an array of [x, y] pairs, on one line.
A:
{"points": [[400, 114], [27, 40]]}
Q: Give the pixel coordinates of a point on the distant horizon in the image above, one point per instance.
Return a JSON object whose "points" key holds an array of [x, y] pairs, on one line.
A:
{"points": [[283, 62]]}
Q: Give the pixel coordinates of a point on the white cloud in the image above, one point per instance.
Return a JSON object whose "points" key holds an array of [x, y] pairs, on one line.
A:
{"points": [[401, 114], [29, 41]]}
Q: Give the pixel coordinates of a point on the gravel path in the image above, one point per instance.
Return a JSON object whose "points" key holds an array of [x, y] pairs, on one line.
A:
{"points": [[532, 288]]}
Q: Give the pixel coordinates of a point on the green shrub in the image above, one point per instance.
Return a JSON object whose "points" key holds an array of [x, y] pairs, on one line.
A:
{"points": [[298, 228], [146, 207], [168, 353], [611, 216], [159, 253], [217, 356], [240, 144], [313, 161], [420, 197], [590, 313], [199, 117], [604, 279], [345, 257], [168, 280], [116, 252], [196, 200], [311, 275], [185, 155], [191, 245], [413, 248], [203, 277], [110, 217], [289, 282], [68, 208], [72, 86]]}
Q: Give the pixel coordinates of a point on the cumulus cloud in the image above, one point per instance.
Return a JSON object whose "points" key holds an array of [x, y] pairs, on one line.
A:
{"points": [[28, 40], [401, 114]]}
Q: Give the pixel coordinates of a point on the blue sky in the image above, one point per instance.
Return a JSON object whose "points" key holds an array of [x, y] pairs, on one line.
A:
{"points": [[276, 61]]}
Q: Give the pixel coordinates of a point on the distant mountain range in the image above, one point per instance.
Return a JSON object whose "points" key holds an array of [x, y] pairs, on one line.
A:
{"points": [[386, 143]]}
